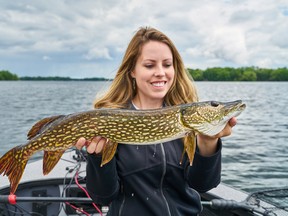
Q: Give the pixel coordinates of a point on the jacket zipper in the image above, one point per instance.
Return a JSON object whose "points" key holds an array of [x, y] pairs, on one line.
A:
{"points": [[162, 179], [161, 184], [123, 201]]}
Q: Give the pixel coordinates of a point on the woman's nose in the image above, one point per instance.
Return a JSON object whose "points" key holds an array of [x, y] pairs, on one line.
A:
{"points": [[160, 71]]}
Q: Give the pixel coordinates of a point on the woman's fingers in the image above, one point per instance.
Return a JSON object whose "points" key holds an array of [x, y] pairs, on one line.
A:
{"points": [[102, 142], [80, 143], [227, 131], [96, 145]]}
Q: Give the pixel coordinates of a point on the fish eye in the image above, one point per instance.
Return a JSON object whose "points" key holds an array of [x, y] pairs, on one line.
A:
{"points": [[183, 111], [214, 104]]}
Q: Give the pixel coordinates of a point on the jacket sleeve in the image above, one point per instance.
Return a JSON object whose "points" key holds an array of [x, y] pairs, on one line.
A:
{"points": [[205, 173], [101, 182]]}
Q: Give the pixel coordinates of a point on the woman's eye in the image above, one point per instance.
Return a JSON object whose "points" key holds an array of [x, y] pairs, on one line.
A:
{"points": [[167, 65], [149, 66]]}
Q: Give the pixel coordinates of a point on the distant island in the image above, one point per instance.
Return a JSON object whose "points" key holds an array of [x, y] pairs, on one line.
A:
{"points": [[7, 75], [57, 78], [209, 74], [239, 74]]}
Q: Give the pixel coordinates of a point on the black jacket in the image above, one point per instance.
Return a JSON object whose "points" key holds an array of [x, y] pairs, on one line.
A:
{"points": [[149, 180]]}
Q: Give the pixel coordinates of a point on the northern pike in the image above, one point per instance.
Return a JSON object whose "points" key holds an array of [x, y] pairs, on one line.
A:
{"points": [[56, 134]]}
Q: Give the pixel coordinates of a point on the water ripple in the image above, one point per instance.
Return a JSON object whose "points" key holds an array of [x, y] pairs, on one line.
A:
{"points": [[254, 156]]}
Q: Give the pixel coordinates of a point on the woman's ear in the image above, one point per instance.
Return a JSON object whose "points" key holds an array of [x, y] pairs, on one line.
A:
{"points": [[132, 74]]}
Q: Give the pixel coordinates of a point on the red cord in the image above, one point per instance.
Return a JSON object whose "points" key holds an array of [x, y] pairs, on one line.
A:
{"points": [[95, 206], [12, 198], [77, 209]]}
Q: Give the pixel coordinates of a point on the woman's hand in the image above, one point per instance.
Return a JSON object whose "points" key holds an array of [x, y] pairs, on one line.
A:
{"points": [[208, 144], [96, 145]]}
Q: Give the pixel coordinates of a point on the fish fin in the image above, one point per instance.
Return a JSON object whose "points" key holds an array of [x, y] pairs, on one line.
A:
{"points": [[36, 128], [12, 164], [108, 152], [190, 146], [50, 159], [183, 152]]}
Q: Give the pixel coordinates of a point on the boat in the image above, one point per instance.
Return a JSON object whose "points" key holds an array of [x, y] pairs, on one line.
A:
{"points": [[62, 192]]}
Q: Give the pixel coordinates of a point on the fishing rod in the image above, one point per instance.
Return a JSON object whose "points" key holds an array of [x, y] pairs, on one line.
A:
{"points": [[13, 199], [223, 204], [220, 204]]}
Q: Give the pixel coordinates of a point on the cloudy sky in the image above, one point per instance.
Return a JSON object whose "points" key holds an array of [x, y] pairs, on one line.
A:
{"points": [[87, 38]]}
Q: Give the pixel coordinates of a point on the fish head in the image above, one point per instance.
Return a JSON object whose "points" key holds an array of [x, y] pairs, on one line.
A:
{"points": [[210, 117]]}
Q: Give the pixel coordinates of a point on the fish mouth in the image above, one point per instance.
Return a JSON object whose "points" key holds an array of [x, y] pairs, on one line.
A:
{"points": [[241, 106], [234, 108], [238, 104]]}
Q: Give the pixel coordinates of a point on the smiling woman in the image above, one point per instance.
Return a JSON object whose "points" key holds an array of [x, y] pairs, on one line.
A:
{"points": [[150, 51], [148, 179], [153, 74]]}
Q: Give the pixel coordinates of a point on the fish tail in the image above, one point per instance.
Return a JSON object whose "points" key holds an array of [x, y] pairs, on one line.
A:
{"points": [[12, 164]]}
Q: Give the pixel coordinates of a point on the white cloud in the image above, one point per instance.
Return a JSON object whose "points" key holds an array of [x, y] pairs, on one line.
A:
{"points": [[81, 33], [98, 53], [46, 58]]}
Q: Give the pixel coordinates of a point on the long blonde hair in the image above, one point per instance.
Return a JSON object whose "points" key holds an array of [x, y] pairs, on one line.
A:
{"points": [[121, 91]]}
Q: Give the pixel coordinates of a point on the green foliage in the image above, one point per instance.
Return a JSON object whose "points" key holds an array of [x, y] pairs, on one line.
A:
{"points": [[215, 74], [239, 74], [56, 78], [263, 74], [210, 74], [6, 75], [197, 74], [50, 78], [248, 75], [279, 75]]}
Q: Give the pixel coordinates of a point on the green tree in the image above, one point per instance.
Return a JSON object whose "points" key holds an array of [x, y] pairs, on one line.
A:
{"points": [[263, 74], [236, 74], [248, 75], [280, 74], [240, 74], [216, 74], [7, 75], [196, 74], [224, 74], [210, 74]]}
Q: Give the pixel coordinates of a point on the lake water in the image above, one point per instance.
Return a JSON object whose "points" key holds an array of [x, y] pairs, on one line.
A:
{"points": [[255, 156]]}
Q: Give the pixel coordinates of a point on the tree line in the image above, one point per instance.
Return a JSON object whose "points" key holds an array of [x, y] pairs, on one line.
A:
{"points": [[239, 74], [7, 75], [209, 74]]}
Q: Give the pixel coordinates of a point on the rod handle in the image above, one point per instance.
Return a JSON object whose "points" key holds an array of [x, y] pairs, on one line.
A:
{"points": [[11, 199]]}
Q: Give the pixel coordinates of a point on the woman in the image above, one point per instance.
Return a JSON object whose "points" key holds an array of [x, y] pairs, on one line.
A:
{"points": [[149, 180]]}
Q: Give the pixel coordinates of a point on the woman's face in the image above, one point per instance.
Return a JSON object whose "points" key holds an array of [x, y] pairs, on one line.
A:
{"points": [[154, 73]]}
